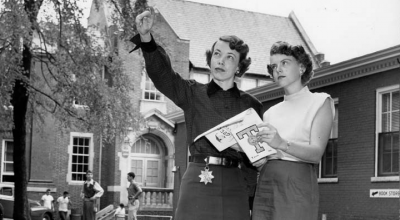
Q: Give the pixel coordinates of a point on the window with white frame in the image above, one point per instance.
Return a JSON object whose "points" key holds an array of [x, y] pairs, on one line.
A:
{"points": [[328, 165], [150, 92], [387, 131], [81, 155], [201, 77], [7, 171]]}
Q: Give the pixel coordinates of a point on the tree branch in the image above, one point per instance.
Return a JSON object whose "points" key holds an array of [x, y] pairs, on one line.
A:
{"points": [[71, 113]]}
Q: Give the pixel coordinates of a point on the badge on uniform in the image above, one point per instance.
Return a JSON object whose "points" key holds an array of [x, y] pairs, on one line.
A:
{"points": [[206, 176]]}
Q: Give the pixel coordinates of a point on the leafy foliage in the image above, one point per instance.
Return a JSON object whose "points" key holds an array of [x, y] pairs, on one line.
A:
{"points": [[67, 81]]}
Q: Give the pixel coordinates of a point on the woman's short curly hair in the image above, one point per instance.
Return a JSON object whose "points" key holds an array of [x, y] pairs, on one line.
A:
{"points": [[237, 44], [299, 54]]}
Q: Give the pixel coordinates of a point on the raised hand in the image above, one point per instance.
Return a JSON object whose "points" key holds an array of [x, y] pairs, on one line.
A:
{"points": [[144, 23]]}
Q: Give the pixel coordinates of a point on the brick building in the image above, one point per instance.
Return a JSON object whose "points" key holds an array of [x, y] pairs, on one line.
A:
{"points": [[157, 152]]}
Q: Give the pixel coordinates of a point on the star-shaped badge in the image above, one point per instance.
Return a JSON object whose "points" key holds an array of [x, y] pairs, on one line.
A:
{"points": [[206, 176]]}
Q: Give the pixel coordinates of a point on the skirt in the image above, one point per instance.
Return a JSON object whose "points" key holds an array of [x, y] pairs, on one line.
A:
{"points": [[286, 191], [226, 198]]}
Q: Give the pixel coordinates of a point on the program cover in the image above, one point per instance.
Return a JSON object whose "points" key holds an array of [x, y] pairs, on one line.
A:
{"points": [[245, 135], [220, 136], [240, 129]]}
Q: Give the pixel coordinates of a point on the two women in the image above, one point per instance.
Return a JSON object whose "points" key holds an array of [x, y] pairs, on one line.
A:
{"points": [[213, 186]]}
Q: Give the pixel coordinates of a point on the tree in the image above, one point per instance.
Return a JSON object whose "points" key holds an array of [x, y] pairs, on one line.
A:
{"points": [[48, 63]]}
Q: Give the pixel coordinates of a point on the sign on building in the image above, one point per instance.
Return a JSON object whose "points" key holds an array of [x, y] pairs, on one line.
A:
{"points": [[384, 193]]}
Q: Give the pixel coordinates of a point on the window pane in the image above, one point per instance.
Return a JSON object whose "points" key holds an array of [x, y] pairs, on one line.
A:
{"points": [[9, 167], [329, 160], [9, 151], [74, 168], [8, 178], [385, 122], [395, 159], [335, 126], [395, 121], [385, 102], [395, 100], [388, 154], [386, 163], [158, 96]]}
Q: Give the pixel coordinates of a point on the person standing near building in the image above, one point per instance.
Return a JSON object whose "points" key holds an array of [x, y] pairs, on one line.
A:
{"points": [[134, 192], [48, 200], [91, 192], [213, 186], [64, 203], [298, 128]]}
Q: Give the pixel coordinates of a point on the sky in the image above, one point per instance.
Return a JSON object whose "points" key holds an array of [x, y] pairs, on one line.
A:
{"points": [[341, 29]]}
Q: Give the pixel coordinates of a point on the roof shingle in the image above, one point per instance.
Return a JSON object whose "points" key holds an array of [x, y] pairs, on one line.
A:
{"points": [[202, 24]]}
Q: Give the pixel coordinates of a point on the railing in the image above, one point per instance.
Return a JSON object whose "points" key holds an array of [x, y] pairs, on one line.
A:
{"points": [[105, 214], [160, 199]]}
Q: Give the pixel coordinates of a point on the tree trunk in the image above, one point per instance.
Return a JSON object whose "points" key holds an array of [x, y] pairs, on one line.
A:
{"points": [[20, 99]]}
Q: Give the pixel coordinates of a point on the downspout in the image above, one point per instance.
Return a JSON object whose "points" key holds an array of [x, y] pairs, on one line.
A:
{"points": [[30, 147], [99, 180], [101, 151], [398, 61]]}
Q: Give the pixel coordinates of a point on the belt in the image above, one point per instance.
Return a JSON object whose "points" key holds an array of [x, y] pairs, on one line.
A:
{"points": [[219, 161]]}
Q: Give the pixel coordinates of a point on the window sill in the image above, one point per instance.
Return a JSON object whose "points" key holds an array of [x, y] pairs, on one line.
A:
{"points": [[157, 101], [76, 183], [378, 179], [328, 180]]}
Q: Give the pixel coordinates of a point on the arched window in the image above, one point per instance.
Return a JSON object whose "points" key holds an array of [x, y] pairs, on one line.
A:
{"points": [[145, 146]]}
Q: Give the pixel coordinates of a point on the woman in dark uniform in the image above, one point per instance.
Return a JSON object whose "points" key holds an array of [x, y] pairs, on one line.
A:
{"points": [[213, 186]]}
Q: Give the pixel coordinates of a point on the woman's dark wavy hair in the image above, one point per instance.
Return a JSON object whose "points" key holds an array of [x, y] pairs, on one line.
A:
{"points": [[299, 54], [237, 44]]}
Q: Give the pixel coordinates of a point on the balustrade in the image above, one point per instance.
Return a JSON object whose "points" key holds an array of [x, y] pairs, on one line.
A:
{"points": [[156, 199]]}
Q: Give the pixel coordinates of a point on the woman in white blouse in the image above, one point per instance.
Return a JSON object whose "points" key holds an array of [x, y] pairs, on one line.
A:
{"points": [[299, 128]]}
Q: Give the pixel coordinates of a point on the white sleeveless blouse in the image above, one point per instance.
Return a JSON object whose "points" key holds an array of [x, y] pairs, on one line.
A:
{"points": [[294, 116]]}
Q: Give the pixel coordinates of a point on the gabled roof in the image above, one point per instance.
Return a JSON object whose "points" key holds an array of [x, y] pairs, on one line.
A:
{"points": [[202, 24], [155, 112]]}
